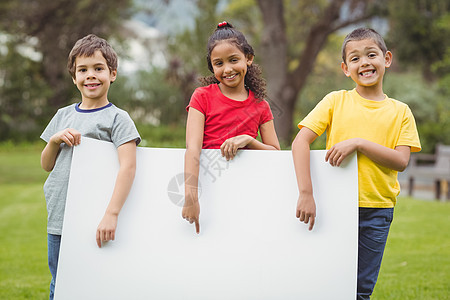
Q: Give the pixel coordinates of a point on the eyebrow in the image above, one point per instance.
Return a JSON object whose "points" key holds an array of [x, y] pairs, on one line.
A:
{"points": [[228, 57], [95, 65]]}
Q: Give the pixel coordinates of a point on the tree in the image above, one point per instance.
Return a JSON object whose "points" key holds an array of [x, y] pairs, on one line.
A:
{"points": [[419, 31], [286, 68]]}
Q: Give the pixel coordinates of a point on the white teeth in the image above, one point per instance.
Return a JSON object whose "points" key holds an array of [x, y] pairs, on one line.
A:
{"points": [[367, 73]]}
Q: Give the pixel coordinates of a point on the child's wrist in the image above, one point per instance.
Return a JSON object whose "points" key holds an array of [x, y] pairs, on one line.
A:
{"points": [[112, 212]]}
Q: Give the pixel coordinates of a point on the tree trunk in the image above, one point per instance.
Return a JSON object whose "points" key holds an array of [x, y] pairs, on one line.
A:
{"points": [[284, 86]]}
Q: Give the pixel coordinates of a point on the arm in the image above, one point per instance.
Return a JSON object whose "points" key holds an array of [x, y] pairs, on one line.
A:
{"points": [[268, 136], [194, 140], [306, 206], [396, 159], [127, 159], [48, 156]]}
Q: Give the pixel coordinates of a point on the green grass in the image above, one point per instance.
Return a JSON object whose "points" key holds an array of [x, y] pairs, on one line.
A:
{"points": [[416, 264], [23, 238]]}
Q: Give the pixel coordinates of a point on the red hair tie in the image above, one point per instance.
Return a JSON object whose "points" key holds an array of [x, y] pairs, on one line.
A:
{"points": [[222, 24]]}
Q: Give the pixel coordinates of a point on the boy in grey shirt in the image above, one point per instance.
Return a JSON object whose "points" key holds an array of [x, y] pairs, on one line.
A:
{"points": [[92, 64]]}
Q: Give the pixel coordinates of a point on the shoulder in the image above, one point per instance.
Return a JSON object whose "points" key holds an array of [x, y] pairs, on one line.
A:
{"points": [[120, 113], [334, 98], [206, 90], [69, 109], [341, 95], [396, 102], [399, 106]]}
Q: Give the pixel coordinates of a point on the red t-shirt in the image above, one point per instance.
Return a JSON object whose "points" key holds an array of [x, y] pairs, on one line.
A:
{"points": [[225, 117]]}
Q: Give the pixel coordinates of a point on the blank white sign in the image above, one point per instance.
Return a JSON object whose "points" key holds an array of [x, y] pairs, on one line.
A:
{"points": [[250, 246]]}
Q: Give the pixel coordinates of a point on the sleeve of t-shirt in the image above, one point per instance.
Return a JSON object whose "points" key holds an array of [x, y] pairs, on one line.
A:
{"points": [[124, 130], [319, 119], [408, 132], [198, 102], [266, 114], [51, 128]]}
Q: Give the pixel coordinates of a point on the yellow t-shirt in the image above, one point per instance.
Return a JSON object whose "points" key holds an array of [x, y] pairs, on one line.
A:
{"points": [[345, 115]]}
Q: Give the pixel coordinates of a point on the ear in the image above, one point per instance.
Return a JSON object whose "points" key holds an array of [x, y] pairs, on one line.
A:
{"points": [[388, 59], [344, 68], [74, 80], [250, 60], [113, 76]]}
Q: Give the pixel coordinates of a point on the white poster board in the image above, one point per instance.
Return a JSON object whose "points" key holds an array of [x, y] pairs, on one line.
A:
{"points": [[250, 246]]}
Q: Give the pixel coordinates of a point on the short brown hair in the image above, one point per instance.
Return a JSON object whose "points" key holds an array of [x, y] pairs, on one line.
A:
{"points": [[86, 47], [363, 34]]}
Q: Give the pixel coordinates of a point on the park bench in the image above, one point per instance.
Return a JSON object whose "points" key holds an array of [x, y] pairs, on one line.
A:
{"points": [[432, 166]]}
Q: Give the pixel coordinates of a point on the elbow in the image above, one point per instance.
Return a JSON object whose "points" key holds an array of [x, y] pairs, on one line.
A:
{"points": [[402, 166], [47, 167], [193, 150], [128, 169], [296, 143]]}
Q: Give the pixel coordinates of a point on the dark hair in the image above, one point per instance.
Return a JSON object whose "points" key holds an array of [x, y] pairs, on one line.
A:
{"points": [[253, 79], [363, 34], [87, 47]]}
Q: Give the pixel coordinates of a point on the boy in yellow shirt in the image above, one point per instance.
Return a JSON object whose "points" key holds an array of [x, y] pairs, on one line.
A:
{"points": [[383, 133]]}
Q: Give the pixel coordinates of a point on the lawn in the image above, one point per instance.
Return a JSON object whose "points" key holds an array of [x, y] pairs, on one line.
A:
{"points": [[416, 263]]}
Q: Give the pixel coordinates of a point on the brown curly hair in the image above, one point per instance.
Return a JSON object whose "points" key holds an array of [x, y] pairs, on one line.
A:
{"points": [[253, 80]]}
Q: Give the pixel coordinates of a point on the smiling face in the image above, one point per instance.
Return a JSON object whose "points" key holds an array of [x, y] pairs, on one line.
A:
{"points": [[366, 63], [230, 66], [93, 78]]}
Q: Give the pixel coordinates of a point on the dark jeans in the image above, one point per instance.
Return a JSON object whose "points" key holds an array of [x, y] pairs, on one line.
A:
{"points": [[53, 243], [374, 224]]}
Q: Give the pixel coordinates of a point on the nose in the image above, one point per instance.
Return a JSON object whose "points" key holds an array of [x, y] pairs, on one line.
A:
{"points": [[90, 73], [364, 61], [227, 68]]}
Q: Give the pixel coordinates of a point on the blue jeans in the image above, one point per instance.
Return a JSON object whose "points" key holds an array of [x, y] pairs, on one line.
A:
{"points": [[53, 242], [374, 224]]}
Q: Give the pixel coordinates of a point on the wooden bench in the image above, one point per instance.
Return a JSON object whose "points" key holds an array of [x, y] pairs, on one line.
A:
{"points": [[432, 166]]}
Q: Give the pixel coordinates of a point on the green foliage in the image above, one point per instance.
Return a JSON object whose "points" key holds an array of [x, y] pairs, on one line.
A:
{"points": [[428, 103], [189, 46], [162, 136], [23, 93], [150, 98], [419, 32]]}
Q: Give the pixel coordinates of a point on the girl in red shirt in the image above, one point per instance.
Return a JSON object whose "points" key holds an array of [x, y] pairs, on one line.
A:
{"points": [[227, 112]]}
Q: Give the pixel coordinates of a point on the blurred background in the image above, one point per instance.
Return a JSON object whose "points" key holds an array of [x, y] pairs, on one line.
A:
{"points": [[162, 49]]}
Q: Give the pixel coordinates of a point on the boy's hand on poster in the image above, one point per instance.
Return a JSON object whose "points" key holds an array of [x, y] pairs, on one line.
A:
{"points": [[106, 230], [230, 146], [306, 210], [69, 136], [340, 151]]}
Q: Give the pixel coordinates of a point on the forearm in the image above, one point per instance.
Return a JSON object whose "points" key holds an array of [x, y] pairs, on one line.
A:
{"points": [[396, 159], [257, 145], [301, 157], [48, 156], [191, 173], [124, 181]]}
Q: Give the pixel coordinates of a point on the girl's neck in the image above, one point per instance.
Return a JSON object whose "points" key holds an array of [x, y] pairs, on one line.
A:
{"points": [[234, 93]]}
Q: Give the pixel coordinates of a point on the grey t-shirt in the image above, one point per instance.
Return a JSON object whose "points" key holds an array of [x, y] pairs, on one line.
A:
{"points": [[108, 123]]}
